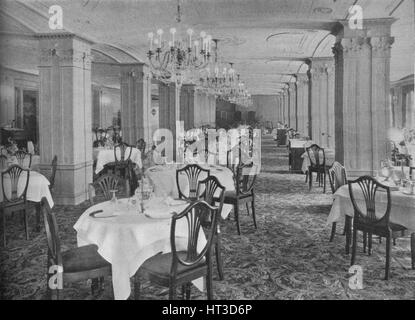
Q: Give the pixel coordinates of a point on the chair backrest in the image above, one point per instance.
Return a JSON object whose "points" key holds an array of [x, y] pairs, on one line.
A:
{"points": [[244, 178], [14, 173], [53, 173], [317, 156], [194, 214], [192, 171], [52, 234], [211, 190], [3, 161], [337, 176], [123, 147], [21, 156], [369, 187], [107, 182]]}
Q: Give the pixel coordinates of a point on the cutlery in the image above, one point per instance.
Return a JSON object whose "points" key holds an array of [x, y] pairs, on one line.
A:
{"points": [[92, 214]]}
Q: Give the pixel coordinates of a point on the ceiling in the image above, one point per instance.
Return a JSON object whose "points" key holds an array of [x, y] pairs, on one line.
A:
{"points": [[266, 39]]}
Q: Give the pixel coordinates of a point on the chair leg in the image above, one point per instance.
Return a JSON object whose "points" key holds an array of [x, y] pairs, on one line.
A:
{"points": [[354, 245], [26, 224], [333, 231], [370, 244], [324, 183], [364, 241], [253, 211], [188, 291], [37, 217], [236, 211], [306, 177], [209, 277], [184, 286], [348, 228], [388, 257], [413, 250], [394, 241], [345, 226], [219, 261], [172, 292], [247, 208], [3, 227], [310, 180]]}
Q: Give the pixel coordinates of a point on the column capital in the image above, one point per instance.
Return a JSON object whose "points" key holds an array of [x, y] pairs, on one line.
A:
{"points": [[302, 78], [65, 48], [291, 86], [381, 45], [370, 28], [138, 71]]}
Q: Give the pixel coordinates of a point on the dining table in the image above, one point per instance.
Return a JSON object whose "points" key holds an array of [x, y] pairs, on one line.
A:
{"points": [[126, 236], [105, 156], [163, 178]]}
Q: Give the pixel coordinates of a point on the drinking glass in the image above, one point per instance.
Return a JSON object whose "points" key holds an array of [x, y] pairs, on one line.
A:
{"points": [[114, 200]]}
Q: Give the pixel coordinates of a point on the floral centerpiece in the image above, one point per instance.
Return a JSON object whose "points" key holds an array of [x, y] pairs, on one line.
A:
{"points": [[403, 149], [11, 147]]}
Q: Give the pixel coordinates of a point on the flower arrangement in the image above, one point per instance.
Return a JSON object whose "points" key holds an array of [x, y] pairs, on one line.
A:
{"points": [[11, 147], [403, 141], [409, 136]]}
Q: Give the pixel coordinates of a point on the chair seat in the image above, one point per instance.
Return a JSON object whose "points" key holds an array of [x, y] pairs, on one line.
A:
{"points": [[231, 196], [398, 230], [83, 259], [322, 169], [160, 265]]}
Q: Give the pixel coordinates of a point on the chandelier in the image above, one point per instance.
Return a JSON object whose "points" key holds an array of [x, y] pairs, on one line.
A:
{"points": [[176, 59]]}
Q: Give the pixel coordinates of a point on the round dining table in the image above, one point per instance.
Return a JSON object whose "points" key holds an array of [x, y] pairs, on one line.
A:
{"points": [[126, 237]]}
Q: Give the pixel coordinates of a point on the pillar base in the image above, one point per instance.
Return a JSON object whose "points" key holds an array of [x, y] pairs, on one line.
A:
{"points": [[71, 182]]}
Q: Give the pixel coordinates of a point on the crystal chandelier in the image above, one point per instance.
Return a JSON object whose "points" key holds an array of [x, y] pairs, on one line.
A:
{"points": [[176, 59]]}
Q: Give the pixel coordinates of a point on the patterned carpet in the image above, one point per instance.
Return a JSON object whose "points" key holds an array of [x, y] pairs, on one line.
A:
{"points": [[288, 257]]}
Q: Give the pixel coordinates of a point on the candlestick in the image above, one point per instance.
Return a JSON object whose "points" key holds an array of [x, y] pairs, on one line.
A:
{"points": [[150, 37]]}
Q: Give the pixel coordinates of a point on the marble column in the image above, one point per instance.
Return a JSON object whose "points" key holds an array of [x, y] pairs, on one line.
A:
{"points": [[322, 101], [187, 105], [278, 108], [362, 86], [135, 103], [169, 108], [286, 107], [292, 91], [65, 124], [302, 103]]}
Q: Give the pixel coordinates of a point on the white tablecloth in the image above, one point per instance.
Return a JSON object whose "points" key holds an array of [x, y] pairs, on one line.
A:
{"points": [[402, 208], [330, 158], [106, 156], [129, 239], [37, 189], [164, 179]]}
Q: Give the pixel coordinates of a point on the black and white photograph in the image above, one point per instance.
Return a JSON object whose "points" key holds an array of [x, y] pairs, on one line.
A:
{"points": [[228, 150]]}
